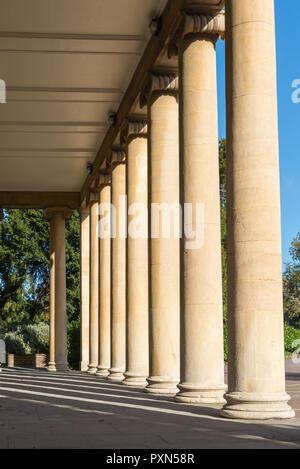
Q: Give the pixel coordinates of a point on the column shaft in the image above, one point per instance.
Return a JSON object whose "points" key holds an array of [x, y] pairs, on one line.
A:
{"points": [[255, 328], [202, 355], [51, 365], [58, 227], [94, 286], [164, 250], [84, 288], [105, 284], [118, 298], [137, 357]]}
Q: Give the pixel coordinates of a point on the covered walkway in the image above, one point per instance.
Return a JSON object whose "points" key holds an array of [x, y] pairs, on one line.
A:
{"points": [[112, 110], [77, 410]]}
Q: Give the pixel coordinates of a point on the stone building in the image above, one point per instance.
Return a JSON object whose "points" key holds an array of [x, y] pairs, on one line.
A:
{"points": [[113, 117]]}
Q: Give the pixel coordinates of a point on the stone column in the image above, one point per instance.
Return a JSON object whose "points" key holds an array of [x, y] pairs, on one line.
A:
{"points": [[51, 364], [58, 304], [84, 287], [93, 201], [202, 351], [137, 346], [118, 287], [104, 362], [255, 319], [162, 97]]}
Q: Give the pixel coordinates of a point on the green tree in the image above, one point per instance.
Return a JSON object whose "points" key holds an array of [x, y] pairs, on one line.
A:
{"points": [[73, 267], [24, 268], [222, 169], [291, 285]]}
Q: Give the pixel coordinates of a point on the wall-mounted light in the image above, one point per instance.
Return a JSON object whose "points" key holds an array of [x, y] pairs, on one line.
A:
{"points": [[155, 26], [89, 167], [112, 118]]}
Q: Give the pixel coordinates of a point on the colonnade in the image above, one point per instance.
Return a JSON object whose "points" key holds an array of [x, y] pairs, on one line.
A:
{"points": [[151, 305], [58, 305]]}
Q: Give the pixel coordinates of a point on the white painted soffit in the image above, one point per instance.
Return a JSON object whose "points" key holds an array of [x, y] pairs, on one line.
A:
{"points": [[66, 65]]}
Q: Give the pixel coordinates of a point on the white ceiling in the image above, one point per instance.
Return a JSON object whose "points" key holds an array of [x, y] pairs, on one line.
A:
{"points": [[66, 64]]}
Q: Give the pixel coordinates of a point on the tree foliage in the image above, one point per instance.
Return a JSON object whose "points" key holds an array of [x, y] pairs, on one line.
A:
{"points": [[24, 268], [222, 169], [291, 285], [30, 338]]}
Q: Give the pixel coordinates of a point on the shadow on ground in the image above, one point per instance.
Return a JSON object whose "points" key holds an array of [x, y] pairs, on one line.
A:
{"points": [[76, 410]]}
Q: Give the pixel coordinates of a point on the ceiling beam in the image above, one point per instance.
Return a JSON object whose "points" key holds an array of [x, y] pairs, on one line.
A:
{"points": [[38, 200], [169, 18], [169, 22], [62, 36]]}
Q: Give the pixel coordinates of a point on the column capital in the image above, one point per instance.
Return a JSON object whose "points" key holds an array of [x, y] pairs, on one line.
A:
{"points": [[159, 82], [92, 197], [118, 156], [198, 24], [135, 127], [51, 212], [84, 209], [102, 180], [204, 24]]}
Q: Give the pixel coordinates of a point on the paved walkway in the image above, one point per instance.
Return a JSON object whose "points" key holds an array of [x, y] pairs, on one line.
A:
{"points": [[74, 410]]}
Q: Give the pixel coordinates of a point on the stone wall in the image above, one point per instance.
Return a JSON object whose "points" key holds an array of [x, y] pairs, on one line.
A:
{"points": [[37, 360]]}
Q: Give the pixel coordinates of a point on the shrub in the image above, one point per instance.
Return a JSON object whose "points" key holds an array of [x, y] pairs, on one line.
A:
{"points": [[31, 338], [290, 335], [37, 336], [15, 343]]}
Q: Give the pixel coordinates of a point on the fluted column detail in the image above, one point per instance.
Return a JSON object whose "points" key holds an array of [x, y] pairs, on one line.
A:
{"points": [[203, 24]]}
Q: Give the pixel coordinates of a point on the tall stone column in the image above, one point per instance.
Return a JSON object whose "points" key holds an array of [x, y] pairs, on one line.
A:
{"points": [[104, 362], [202, 351], [93, 202], [164, 308], [84, 287], [255, 319], [137, 346], [51, 364], [118, 278], [58, 305]]}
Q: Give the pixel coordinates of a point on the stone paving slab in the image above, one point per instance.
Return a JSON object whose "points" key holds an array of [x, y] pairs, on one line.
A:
{"points": [[75, 410]]}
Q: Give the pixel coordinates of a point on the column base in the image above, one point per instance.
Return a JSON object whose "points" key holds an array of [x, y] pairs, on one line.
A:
{"points": [[83, 366], [135, 379], [162, 385], [190, 393], [102, 371], [92, 369], [62, 367], [115, 375], [51, 366], [257, 406]]}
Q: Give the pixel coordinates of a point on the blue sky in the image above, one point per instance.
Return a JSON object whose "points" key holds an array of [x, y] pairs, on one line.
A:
{"points": [[288, 70]]}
